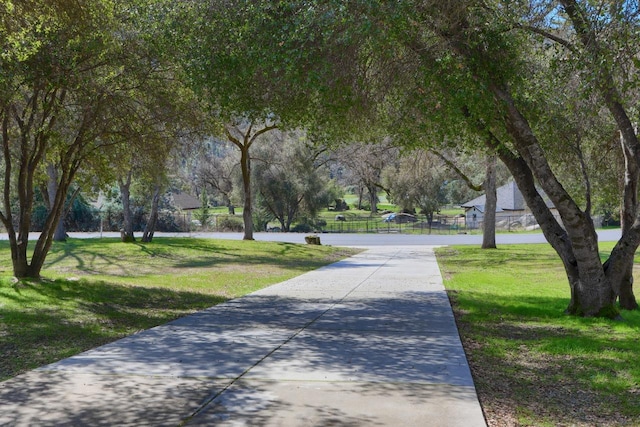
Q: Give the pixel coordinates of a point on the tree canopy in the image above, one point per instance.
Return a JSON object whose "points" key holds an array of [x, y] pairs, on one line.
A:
{"points": [[77, 81], [516, 78], [549, 87]]}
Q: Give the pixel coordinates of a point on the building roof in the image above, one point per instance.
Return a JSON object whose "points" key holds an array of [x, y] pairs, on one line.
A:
{"points": [[185, 201], [509, 199]]}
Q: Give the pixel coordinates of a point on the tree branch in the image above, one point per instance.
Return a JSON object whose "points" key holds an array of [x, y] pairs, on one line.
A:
{"points": [[261, 131], [458, 172], [232, 138], [548, 35]]}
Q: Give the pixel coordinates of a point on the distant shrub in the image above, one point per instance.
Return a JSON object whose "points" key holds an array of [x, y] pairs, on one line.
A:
{"points": [[302, 228], [230, 223], [341, 205], [167, 222]]}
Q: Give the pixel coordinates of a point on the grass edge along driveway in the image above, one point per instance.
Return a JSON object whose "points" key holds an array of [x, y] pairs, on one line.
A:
{"points": [[95, 291], [532, 364]]}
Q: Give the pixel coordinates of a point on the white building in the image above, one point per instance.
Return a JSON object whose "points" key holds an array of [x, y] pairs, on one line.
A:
{"points": [[511, 209]]}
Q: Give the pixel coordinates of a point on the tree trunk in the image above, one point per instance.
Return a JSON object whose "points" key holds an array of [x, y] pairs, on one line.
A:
{"points": [[360, 196], [60, 234], [245, 166], [553, 232], [23, 267], [125, 194], [373, 199], [619, 267], [489, 224], [150, 227], [41, 248]]}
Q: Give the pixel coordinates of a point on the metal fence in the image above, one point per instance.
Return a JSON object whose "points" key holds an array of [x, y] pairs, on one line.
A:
{"points": [[440, 225]]}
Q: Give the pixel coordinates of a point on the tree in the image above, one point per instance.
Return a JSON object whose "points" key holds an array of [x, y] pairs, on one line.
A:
{"points": [[291, 179], [243, 138], [366, 163], [492, 59], [69, 92], [150, 226], [417, 181], [222, 47], [493, 72], [489, 187], [124, 183], [60, 234]]}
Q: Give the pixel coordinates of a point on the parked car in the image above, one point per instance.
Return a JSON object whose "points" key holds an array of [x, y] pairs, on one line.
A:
{"points": [[399, 218]]}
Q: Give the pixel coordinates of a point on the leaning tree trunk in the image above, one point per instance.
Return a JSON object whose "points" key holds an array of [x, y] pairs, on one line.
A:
{"points": [[44, 242], [619, 266], [593, 293], [125, 194], [60, 234], [150, 227], [489, 224], [552, 230], [23, 265]]}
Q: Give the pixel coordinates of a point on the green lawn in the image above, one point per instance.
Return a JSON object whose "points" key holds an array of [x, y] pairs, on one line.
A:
{"points": [[532, 364], [99, 290]]}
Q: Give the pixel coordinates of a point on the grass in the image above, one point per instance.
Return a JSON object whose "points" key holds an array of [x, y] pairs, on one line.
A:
{"points": [[532, 364], [99, 290]]}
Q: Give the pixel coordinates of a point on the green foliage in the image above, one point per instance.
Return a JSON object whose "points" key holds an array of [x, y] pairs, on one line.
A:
{"points": [[230, 223], [81, 216], [81, 89], [203, 214], [417, 182], [290, 179]]}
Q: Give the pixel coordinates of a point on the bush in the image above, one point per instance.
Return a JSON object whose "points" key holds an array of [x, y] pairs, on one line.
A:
{"points": [[341, 205], [302, 228], [82, 216], [230, 223]]}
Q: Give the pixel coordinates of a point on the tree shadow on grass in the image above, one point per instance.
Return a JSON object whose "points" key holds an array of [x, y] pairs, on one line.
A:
{"points": [[70, 317], [185, 253], [526, 355]]}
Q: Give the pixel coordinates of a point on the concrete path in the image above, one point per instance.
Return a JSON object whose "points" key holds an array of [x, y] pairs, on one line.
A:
{"points": [[368, 341]]}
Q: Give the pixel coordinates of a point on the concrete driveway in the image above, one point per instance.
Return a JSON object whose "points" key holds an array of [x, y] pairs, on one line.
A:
{"points": [[368, 341]]}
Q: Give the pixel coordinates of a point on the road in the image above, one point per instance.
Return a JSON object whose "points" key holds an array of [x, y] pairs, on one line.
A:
{"points": [[362, 240]]}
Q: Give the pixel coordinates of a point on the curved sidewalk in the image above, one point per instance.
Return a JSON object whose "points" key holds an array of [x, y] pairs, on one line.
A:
{"points": [[367, 341]]}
